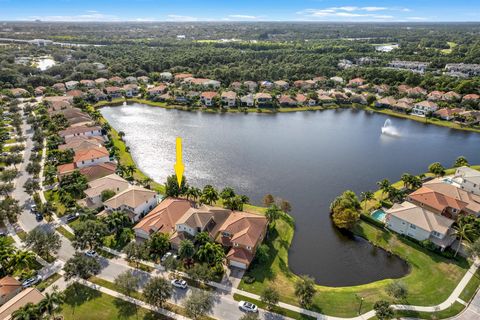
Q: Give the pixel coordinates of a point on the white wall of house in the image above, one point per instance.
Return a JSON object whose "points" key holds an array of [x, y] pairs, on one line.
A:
{"points": [[88, 163], [229, 102], [96, 133], [145, 207], [404, 227], [184, 228]]}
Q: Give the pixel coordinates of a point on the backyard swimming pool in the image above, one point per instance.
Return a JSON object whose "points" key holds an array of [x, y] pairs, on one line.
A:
{"points": [[379, 215]]}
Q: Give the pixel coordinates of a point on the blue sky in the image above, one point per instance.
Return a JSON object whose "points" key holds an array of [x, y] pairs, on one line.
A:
{"points": [[241, 10]]}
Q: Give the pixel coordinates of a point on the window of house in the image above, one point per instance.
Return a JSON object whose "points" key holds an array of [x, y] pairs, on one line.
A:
{"points": [[413, 226]]}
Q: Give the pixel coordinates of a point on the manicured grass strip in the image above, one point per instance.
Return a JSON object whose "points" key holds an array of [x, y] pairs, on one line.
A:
{"points": [[46, 283], [22, 235], [82, 303], [276, 309], [64, 232], [472, 286], [140, 266], [453, 310]]}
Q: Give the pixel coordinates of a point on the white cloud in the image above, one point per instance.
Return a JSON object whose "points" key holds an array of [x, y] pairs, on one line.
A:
{"points": [[243, 16], [350, 12], [417, 18], [88, 16], [176, 17], [374, 8]]}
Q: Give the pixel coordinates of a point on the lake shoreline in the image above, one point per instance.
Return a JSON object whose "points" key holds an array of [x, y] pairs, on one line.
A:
{"points": [[354, 106]]}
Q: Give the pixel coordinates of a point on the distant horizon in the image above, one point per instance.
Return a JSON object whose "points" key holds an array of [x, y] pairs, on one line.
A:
{"points": [[245, 22], [347, 11]]}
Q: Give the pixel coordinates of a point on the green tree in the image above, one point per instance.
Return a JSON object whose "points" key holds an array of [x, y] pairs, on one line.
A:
{"points": [[198, 304], [29, 311], [273, 213], [157, 291], [305, 290], [44, 242], [158, 245], [186, 250], [461, 162], [263, 253], [345, 210], [463, 231], [81, 266], [202, 238], [209, 195], [270, 297], [397, 290], [128, 282], [437, 169], [135, 252], [172, 189], [384, 185], [268, 200], [107, 194], [52, 303], [89, 234], [285, 206], [193, 193], [211, 253], [31, 186], [383, 311], [366, 196], [200, 272]]}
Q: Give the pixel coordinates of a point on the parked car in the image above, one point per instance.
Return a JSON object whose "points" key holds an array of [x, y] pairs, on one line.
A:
{"points": [[91, 253], [38, 216], [166, 256], [247, 306], [72, 217], [33, 208], [179, 283], [31, 281], [3, 234]]}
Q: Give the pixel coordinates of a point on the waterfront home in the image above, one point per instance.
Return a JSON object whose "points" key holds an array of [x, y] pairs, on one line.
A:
{"points": [[452, 96], [424, 108], [182, 76], [70, 85], [356, 82], [88, 83], [468, 179], [99, 170], [162, 218], [325, 99], [130, 90], [286, 101], [420, 223], [71, 113], [82, 143], [114, 92], [55, 106], [93, 194], [340, 97], [97, 95], [19, 92], [157, 90], [59, 87], [382, 88], [469, 117], [359, 98], [100, 82], [24, 297], [39, 90], [248, 100], [281, 84], [471, 97], [76, 94], [337, 79], [116, 80], [435, 95], [448, 113], [208, 98], [416, 92], [131, 79], [402, 106], [90, 157], [136, 201], [387, 102], [229, 98], [262, 99], [304, 100], [51, 100], [145, 79], [86, 131], [9, 287], [167, 76], [250, 85]]}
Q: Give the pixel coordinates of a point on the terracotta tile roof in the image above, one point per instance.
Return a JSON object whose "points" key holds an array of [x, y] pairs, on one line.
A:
{"points": [[262, 95], [181, 76], [471, 96], [66, 168], [159, 88], [116, 79], [113, 89], [448, 112], [75, 93], [80, 145], [29, 295], [77, 130], [208, 95], [436, 200], [229, 95], [91, 154], [8, 285], [428, 104], [472, 201], [98, 170], [246, 229], [301, 97], [164, 216], [240, 255], [76, 139], [100, 80], [286, 100]]}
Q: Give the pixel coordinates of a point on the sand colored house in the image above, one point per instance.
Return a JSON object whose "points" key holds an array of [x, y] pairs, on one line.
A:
{"points": [[86, 131], [468, 179], [93, 194], [136, 201], [90, 157]]}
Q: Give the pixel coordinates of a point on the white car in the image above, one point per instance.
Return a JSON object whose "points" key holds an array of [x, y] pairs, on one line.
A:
{"points": [[166, 256], [91, 253], [33, 280], [179, 283], [247, 306]]}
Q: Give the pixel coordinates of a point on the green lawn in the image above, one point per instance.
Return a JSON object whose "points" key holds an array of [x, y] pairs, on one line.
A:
{"points": [[428, 270], [455, 309], [52, 196], [472, 286], [46, 283], [67, 234], [82, 303]]}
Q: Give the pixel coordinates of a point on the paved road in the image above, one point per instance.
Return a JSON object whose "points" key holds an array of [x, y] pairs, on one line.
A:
{"points": [[473, 310]]}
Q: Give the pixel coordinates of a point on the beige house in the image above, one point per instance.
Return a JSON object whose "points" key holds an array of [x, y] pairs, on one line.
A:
{"points": [[229, 98], [93, 194], [29, 295], [468, 179], [136, 201]]}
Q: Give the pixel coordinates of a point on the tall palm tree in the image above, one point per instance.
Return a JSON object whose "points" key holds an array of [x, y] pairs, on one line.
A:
{"points": [[146, 182], [272, 213], [463, 231], [209, 195], [27, 312], [211, 253], [21, 259], [384, 185], [366, 196], [51, 303]]}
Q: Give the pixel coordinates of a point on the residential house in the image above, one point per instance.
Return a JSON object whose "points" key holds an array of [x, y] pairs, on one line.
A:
{"points": [[229, 98], [136, 201], [182, 76], [39, 91], [424, 108], [59, 87], [89, 157], [387, 102], [236, 85], [145, 79], [468, 179], [281, 84], [167, 76], [100, 82], [266, 84], [158, 90], [340, 97], [93, 194], [471, 97], [402, 106], [116, 81], [99, 170], [163, 218], [130, 90], [80, 131], [469, 117], [88, 83], [286, 101], [435, 95], [208, 98], [76, 94], [70, 85], [82, 143], [304, 100], [338, 80], [97, 95], [452, 96], [416, 92], [114, 92], [19, 92], [448, 113], [420, 223], [359, 98], [356, 82], [415, 66], [9, 287], [24, 297], [131, 79], [325, 99], [263, 99], [248, 100], [251, 85]]}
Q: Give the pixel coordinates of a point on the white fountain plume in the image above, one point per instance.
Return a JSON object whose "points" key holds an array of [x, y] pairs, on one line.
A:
{"points": [[389, 130]]}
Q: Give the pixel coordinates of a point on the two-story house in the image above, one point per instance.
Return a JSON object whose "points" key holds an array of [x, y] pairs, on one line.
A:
{"points": [[468, 179], [424, 108], [136, 201], [90, 157]]}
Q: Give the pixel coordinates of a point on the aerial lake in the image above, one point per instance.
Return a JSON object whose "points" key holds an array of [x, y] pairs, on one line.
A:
{"points": [[307, 158]]}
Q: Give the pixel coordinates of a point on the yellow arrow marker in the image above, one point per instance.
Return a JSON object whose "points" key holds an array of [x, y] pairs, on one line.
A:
{"points": [[179, 167]]}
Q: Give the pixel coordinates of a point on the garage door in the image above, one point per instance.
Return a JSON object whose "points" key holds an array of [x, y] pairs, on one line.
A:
{"points": [[238, 264]]}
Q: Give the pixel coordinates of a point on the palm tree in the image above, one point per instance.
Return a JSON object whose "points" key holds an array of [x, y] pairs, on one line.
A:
{"points": [[407, 180], [130, 169], [272, 213], [194, 192], [211, 252], [21, 260], [116, 221], [209, 195], [463, 231], [366, 196], [27, 312], [146, 182], [51, 303], [384, 185]]}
